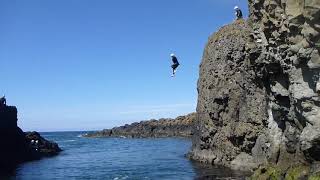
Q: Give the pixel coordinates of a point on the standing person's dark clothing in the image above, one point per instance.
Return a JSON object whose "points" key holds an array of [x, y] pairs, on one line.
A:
{"points": [[238, 12], [3, 101], [175, 64], [175, 61]]}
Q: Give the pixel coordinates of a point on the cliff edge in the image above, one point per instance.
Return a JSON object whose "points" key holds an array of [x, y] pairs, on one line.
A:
{"points": [[258, 90]]}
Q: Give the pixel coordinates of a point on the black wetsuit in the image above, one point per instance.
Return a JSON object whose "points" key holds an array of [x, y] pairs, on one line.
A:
{"points": [[175, 62], [3, 101], [239, 14]]}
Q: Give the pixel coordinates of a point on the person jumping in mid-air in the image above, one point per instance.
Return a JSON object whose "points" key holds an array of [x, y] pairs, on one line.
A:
{"points": [[174, 65], [238, 12]]}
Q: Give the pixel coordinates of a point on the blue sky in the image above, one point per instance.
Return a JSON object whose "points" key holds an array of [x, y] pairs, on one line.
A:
{"points": [[94, 64]]}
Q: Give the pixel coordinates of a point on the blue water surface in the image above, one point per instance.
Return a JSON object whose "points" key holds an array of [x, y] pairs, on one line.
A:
{"points": [[116, 159]]}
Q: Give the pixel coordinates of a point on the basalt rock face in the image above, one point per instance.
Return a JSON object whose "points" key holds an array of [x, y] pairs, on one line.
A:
{"points": [[179, 127], [259, 89], [232, 100], [16, 146]]}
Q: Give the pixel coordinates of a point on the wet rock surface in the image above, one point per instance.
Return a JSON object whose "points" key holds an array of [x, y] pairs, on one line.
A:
{"points": [[258, 88], [16, 146], [179, 127]]}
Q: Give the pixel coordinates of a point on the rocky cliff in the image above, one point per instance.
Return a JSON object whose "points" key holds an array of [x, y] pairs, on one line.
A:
{"points": [[179, 127], [258, 101], [17, 146]]}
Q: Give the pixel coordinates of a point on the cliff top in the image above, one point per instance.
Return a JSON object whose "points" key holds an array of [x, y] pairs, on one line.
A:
{"points": [[8, 117]]}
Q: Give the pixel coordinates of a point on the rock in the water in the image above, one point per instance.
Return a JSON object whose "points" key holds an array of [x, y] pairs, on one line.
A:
{"points": [[258, 99], [16, 146], [179, 127], [42, 146]]}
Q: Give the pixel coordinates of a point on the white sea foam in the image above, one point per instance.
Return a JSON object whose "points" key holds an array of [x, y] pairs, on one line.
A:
{"points": [[121, 178], [66, 141]]}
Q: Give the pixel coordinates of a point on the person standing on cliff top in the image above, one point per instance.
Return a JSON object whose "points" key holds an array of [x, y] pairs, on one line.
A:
{"points": [[175, 64], [3, 101], [238, 12]]}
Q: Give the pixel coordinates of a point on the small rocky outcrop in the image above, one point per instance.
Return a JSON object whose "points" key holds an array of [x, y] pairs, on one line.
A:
{"points": [[16, 146], [43, 147], [259, 96], [179, 127]]}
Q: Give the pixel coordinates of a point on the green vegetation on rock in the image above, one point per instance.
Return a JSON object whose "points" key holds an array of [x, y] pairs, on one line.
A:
{"points": [[276, 173], [297, 172], [314, 177], [267, 173]]}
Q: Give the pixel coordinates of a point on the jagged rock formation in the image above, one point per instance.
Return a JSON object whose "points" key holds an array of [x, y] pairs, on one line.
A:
{"points": [[42, 146], [259, 89], [16, 146], [179, 127]]}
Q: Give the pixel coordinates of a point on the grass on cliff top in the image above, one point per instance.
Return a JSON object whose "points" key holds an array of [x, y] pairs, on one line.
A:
{"points": [[231, 30]]}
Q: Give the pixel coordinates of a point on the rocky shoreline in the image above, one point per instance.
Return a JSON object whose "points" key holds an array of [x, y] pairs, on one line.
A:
{"points": [[180, 127], [17, 146], [258, 99]]}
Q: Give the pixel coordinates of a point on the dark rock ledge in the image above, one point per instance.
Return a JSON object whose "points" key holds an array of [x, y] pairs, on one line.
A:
{"points": [[179, 127]]}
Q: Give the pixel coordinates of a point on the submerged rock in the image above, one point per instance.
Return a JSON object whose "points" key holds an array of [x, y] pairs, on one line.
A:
{"points": [[258, 102], [179, 127]]}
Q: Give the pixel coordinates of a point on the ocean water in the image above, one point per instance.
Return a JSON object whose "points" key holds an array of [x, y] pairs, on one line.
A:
{"points": [[118, 159]]}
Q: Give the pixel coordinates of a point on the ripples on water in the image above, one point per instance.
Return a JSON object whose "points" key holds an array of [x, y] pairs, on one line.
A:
{"points": [[118, 159]]}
